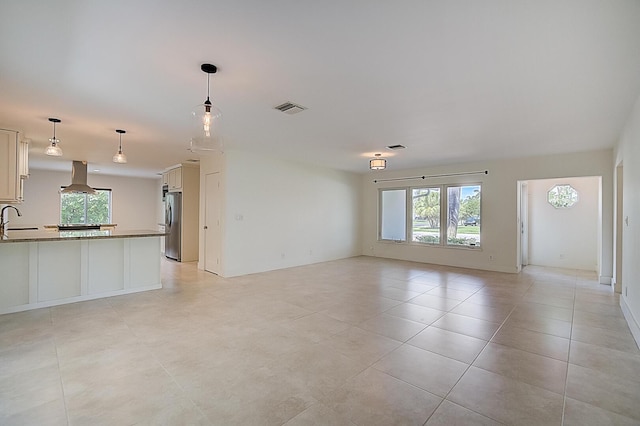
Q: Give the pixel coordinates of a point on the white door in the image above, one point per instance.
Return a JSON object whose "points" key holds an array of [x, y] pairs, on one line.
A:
{"points": [[212, 219], [619, 225], [524, 224]]}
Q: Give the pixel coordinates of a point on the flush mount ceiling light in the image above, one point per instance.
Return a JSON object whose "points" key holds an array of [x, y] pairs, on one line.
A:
{"points": [[378, 163], [206, 118], [120, 157], [54, 149]]}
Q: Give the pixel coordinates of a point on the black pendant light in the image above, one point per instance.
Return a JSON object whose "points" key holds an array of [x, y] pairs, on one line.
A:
{"points": [[54, 148], [120, 157]]}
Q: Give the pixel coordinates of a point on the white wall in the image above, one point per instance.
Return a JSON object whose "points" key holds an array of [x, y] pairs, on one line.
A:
{"points": [[134, 202], [279, 214], [500, 221], [564, 238], [628, 153]]}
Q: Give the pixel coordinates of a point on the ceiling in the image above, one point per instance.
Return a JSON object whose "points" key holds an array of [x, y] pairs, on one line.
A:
{"points": [[452, 80]]}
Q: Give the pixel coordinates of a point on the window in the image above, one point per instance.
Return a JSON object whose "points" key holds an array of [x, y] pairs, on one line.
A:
{"points": [[562, 196], [79, 208], [393, 214], [463, 215], [442, 215], [426, 215]]}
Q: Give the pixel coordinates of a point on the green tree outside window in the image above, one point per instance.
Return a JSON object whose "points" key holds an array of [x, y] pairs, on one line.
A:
{"points": [[80, 208]]}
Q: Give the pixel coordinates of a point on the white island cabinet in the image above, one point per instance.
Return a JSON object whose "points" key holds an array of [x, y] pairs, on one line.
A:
{"points": [[41, 269]]}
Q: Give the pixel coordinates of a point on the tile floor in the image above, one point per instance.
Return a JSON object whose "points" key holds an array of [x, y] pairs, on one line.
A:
{"points": [[360, 341]]}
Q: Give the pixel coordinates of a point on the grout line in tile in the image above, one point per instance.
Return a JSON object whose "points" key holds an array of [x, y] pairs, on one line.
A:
{"points": [[64, 394], [566, 377], [471, 363]]}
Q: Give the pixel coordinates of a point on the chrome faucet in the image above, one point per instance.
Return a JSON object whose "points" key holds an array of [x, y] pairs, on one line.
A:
{"points": [[2, 222]]}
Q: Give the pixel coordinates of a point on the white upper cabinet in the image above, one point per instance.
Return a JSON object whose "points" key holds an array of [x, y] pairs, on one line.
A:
{"points": [[14, 166], [173, 179]]}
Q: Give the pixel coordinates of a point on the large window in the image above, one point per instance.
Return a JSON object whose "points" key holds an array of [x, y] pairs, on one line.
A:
{"points": [[393, 215], [80, 208], [463, 215], [443, 215], [426, 215]]}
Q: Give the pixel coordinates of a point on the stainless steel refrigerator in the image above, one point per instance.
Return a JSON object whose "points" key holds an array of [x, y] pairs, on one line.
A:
{"points": [[172, 222]]}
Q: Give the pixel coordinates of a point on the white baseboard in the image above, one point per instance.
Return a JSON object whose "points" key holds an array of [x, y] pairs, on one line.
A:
{"points": [[84, 298], [633, 324], [606, 280]]}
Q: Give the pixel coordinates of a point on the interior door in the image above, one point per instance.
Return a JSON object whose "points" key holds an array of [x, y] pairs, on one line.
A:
{"points": [[212, 223], [524, 224], [619, 228]]}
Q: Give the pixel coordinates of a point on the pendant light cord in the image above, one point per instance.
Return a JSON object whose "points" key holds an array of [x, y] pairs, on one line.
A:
{"points": [[208, 75]]}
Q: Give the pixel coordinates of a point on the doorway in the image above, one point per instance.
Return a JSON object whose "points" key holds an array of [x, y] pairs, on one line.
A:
{"points": [[561, 223]]}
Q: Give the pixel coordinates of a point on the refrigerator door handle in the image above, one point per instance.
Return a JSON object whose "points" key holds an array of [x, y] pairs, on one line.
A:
{"points": [[169, 216]]}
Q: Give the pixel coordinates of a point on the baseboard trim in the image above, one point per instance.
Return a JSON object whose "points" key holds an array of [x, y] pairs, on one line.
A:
{"points": [[74, 299], [633, 324], [606, 280]]}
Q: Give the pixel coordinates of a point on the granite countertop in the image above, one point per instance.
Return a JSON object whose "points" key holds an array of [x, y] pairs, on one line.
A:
{"points": [[92, 234]]}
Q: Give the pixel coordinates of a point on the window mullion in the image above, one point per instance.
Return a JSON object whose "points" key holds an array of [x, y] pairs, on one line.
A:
{"points": [[408, 199], [85, 209], [444, 203]]}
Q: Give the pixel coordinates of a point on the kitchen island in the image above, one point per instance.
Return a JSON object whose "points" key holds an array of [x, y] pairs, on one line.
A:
{"points": [[47, 268]]}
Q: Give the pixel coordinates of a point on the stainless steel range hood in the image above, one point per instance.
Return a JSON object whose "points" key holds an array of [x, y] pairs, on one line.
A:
{"points": [[79, 179]]}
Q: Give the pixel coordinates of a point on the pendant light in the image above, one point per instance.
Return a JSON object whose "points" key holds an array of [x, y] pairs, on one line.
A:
{"points": [[378, 163], [54, 149], [120, 157], [206, 120]]}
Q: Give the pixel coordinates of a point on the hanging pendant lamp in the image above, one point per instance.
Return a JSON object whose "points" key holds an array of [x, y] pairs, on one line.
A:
{"points": [[120, 157], [206, 120], [54, 149]]}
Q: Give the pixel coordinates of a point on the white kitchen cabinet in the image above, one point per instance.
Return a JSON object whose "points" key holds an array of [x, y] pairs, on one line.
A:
{"points": [[173, 179], [14, 166], [23, 158]]}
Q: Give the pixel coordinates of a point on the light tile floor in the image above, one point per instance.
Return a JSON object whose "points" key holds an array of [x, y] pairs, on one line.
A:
{"points": [[360, 341]]}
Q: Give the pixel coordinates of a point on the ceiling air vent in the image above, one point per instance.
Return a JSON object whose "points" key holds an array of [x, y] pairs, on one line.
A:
{"points": [[393, 147], [290, 108]]}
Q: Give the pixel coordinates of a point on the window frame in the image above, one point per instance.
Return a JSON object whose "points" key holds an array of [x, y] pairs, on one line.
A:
{"points": [[412, 216], [557, 187], [380, 217], [444, 207], [446, 216], [110, 206]]}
